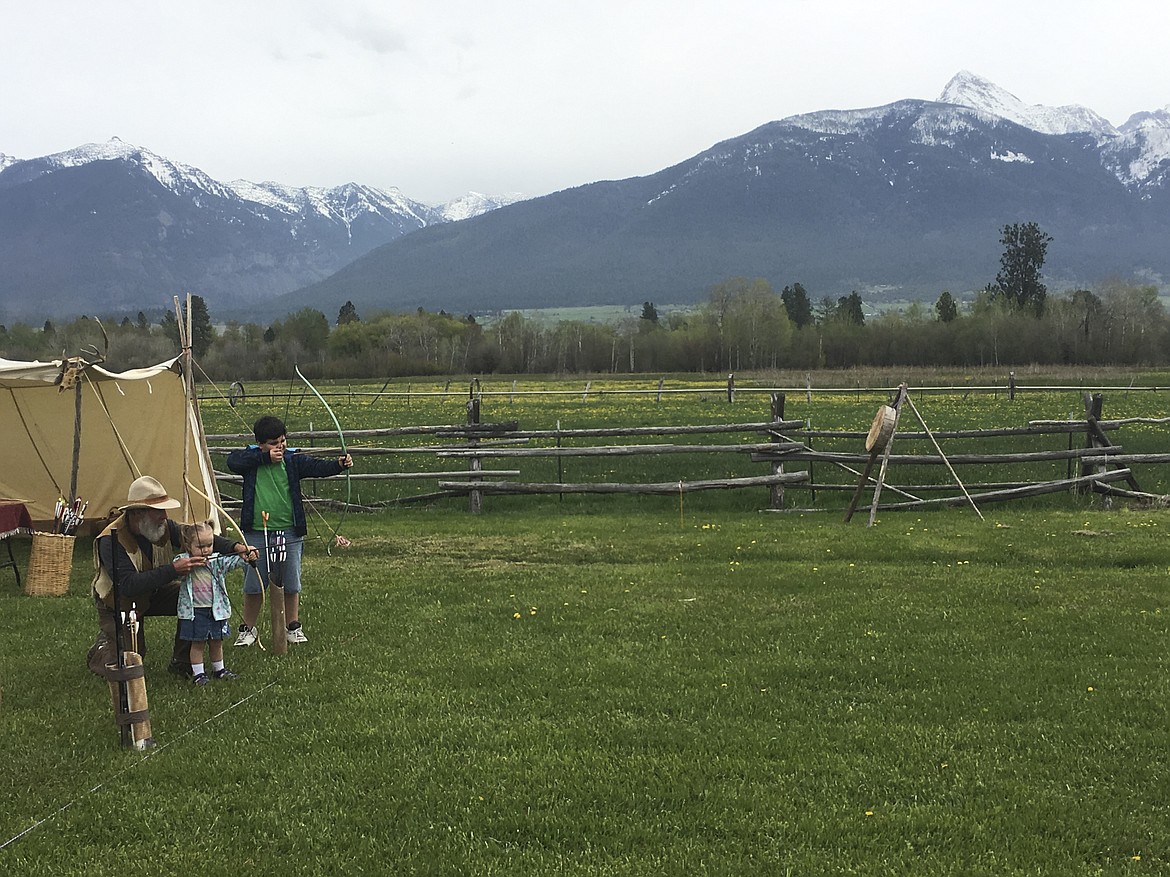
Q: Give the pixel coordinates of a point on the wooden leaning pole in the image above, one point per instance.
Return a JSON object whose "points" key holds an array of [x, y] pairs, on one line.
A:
{"points": [[880, 440]]}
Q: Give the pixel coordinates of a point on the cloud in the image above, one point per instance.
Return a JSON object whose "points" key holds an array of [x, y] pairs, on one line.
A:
{"points": [[364, 30]]}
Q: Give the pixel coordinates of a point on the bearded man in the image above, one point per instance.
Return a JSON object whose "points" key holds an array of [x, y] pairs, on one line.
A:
{"points": [[143, 553]]}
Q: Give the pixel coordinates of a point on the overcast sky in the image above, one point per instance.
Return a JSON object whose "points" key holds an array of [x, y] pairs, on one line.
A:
{"points": [[442, 97]]}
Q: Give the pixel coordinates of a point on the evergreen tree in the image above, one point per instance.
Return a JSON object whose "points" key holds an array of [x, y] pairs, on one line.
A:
{"points": [[849, 309], [825, 311], [1018, 280], [347, 314], [202, 332], [946, 307], [170, 326], [649, 312], [798, 305]]}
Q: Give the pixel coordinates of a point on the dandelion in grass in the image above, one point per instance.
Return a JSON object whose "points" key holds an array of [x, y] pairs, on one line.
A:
{"points": [[515, 614]]}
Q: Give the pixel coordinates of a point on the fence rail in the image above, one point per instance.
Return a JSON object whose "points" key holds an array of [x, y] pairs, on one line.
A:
{"points": [[474, 389], [792, 462]]}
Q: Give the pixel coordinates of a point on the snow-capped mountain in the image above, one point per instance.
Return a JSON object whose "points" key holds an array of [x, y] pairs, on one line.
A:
{"points": [[116, 225], [969, 90], [897, 201], [343, 204], [474, 204], [1137, 153]]}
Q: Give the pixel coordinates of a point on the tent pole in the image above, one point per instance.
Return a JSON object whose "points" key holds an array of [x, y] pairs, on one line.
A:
{"points": [[76, 432], [184, 326]]}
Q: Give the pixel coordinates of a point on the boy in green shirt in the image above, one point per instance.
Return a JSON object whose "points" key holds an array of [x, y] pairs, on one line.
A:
{"points": [[272, 485]]}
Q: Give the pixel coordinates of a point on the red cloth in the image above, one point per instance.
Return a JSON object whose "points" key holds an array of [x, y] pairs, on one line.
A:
{"points": [[14, 519]]}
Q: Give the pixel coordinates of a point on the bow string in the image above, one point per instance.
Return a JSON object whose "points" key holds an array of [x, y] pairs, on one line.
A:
{"points": [[338, 540]]}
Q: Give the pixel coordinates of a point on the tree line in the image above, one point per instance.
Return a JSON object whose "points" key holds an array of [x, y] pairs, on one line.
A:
{"points": [[744, 324]]}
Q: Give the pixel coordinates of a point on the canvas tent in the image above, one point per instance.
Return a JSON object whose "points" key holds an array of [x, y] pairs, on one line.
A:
{"points": [[138, 422]]}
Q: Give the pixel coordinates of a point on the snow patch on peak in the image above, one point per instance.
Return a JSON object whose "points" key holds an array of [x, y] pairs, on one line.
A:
{"points": [[344, 203], [1138, 121], [970, 90], [7, 160], [275, 196], [179, 178], [838, 121], [474, 204]]}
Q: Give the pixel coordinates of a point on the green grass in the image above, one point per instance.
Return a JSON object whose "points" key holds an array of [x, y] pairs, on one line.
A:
{"points": [[578, 690]]}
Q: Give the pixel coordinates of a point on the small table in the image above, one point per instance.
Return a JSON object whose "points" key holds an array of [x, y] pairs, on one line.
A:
{"points": [[14, 519]]}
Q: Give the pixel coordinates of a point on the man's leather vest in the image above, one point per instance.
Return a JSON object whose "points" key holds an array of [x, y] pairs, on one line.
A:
{"points": [[103, 585]]}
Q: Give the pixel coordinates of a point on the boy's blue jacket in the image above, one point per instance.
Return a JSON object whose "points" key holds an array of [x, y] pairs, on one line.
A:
{"points": [[246, 461]]}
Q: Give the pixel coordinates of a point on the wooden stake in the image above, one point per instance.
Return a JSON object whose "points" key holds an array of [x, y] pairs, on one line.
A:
{"points": [[944, 458]]}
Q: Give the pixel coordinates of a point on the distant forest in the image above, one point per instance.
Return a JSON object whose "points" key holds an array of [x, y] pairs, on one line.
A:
{"points": [[744, 325]]}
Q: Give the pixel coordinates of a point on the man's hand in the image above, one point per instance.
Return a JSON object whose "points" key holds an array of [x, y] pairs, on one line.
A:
{"points": [[184, 565], [247, 552]]}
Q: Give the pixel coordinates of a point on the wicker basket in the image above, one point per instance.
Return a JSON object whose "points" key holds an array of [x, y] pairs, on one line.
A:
{"points": [[50, 561]]}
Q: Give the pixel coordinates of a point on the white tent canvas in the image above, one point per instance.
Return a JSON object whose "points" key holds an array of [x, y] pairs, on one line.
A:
{"points": [[133, 423]]}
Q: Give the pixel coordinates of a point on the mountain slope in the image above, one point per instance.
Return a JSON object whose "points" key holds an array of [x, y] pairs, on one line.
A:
{"points": [[906, 200]]}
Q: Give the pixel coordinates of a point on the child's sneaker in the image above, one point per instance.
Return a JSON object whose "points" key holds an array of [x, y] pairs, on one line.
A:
{"points": [[200, 679], [247, 636], [296, 635], [225, 673]]}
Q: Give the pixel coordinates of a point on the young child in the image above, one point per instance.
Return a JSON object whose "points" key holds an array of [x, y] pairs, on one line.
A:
{"points": [[272, 484], [204, 609]]}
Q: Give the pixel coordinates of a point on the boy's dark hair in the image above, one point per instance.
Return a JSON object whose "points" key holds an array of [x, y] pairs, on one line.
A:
{"points": [[268, 428]]}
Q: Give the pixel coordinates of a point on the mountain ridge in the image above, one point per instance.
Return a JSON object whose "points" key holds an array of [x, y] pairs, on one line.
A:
{"points": [[111, 224], [901, 200]]}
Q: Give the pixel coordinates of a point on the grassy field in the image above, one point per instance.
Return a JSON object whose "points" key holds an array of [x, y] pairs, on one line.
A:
{"points": [[633, 688]]}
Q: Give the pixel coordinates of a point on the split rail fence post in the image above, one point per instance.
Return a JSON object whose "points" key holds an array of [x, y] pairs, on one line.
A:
{"points": [[777, 491], [1094, 402], [731, 387], [475, 464]]}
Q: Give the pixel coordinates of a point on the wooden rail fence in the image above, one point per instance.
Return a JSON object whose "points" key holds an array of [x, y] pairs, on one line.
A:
{"points": [[1098, 466]]}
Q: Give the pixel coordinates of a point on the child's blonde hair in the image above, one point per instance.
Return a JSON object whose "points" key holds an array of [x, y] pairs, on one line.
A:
{"points": [[191, 534]]}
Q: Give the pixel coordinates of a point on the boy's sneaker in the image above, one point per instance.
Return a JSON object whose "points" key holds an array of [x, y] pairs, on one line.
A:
{"points": [[225, 673], [201, 679], [296, 635], [247, 636]]}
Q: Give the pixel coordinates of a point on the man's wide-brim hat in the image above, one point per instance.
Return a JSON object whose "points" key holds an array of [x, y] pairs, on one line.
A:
{"points": [[147, 493]]}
